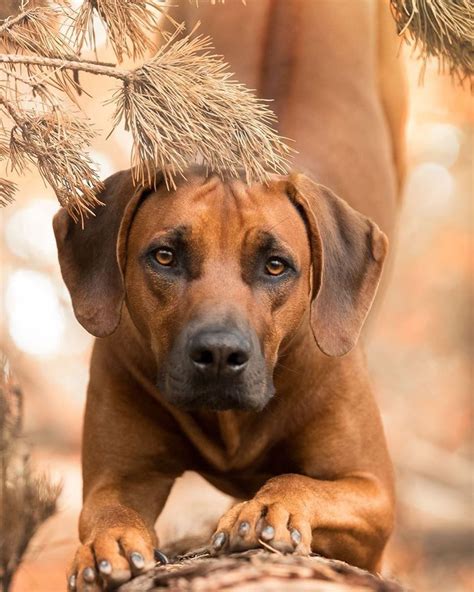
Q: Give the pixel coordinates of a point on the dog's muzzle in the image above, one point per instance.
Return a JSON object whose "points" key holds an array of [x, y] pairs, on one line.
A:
{"points": [[216, 367]]}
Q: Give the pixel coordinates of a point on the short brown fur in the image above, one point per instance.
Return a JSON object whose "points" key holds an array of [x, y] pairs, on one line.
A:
{"points": [[313, 458]]}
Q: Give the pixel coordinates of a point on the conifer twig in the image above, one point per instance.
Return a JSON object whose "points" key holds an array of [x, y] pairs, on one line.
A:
{"points": [[7, 191], [55, 143], [441, 29], [129, 25], [181, 105]]}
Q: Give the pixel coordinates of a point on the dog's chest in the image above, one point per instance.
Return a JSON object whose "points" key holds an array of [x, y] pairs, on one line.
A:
{"points": [[227, 441]]}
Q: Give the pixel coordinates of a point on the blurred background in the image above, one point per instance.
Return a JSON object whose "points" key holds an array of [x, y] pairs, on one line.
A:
{"points": [[420, 353]]}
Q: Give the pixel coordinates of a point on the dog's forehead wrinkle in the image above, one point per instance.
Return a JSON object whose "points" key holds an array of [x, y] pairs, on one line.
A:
{"points": [[223, 217], [180, 230], [209, 186], [238, 191], [268, 239]]}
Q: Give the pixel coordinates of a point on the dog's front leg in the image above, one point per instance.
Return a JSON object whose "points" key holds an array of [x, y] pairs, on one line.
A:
{"points": [[348, 518], [128, 472], [116, 529]]}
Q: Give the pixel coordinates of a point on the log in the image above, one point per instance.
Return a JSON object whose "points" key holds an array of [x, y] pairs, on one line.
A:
{"points": [[258, 571]]}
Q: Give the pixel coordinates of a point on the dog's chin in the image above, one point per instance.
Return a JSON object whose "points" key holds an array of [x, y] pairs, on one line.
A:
{"points": [[218, 398]]}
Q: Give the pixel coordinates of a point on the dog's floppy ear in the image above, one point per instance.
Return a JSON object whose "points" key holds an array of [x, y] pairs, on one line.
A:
{"points": [[348, 251], [92, 258]]}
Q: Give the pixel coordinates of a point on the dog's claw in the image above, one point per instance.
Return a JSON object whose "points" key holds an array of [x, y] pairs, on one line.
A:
{"points": [[105, 567], [295, 535], [268, 532], [137, 559], [244, 528], [72, 583], [160, 556], [218, 540], [88, 575]]}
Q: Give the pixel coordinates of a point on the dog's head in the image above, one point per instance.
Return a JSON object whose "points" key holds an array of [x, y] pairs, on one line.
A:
{"points": [[217, 276]]}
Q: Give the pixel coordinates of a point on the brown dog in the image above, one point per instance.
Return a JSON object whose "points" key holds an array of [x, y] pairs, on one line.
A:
{"points": [[228, 317]]}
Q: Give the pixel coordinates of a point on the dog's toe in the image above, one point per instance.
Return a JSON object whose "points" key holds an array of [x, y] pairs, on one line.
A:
{"points": [[83, 576], [254, 524], [112, 558]]}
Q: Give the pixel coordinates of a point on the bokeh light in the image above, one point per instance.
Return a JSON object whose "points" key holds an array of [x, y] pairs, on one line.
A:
{"points": [[105, 167], [431, 186], [29, 232], [35, 316], [435, 142]]}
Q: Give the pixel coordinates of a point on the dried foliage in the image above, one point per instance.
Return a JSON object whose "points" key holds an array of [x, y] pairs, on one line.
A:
{"points": [[7, 187], [181, 105], [7, 191], [13, 7], [55, 142], [26, 499], [258, 570], [129, 25], [443, 29], [34, 30]]}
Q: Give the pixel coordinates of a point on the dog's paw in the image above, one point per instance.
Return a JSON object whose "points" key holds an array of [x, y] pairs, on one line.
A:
{"points": [[113, 557], [254, 524]]}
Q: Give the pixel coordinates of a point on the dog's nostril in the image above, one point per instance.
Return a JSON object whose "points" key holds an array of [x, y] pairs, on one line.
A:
{"points": [[216, 353], [203, 357], [237, 359]]}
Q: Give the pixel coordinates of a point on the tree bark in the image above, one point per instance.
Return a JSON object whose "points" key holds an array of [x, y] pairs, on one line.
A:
{"points": [[258, 571]]}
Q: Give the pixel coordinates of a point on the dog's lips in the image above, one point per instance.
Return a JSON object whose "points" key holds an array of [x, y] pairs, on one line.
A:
{"points": [[220, 396], [216, 403]]}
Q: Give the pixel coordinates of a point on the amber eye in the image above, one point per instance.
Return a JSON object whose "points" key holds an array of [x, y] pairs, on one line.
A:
{"points": [[164, 257], [275, 266]]}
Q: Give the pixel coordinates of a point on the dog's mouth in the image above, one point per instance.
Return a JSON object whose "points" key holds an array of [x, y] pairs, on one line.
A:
{"points": [[217, 396]]}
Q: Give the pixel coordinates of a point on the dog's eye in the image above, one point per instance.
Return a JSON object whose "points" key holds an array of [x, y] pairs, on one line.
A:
{"points": [[164, 257], [275, 266]]}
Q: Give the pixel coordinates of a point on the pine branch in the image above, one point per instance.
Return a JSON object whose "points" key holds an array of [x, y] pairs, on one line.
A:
{"points": [[182, 105], [129, 25], [7, 191], [76, 64], [441, 29], [35, 30], [55, 143], [40, 85]]}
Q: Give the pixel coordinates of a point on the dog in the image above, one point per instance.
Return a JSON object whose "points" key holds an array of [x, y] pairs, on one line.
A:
{"points": [[228, 315]]}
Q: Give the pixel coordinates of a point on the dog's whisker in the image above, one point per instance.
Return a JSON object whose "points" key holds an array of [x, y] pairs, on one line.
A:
{"points": [[280, 365], [278, 223]]}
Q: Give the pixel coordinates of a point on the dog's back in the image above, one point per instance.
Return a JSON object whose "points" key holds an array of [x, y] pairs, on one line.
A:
{"points": [[337, 88]]}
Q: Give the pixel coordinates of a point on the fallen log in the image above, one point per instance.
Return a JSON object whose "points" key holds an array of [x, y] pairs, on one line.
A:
{"points": [[258, 571]]}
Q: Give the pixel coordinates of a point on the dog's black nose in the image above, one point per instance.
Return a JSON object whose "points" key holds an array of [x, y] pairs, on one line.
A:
{"points": [[222, 353]]}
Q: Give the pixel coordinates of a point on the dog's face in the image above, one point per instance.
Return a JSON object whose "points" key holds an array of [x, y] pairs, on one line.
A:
{"points": [[217, 276]]}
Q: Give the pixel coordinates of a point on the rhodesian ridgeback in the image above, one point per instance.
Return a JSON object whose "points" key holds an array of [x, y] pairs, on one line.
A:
{"points": [[228, 316]]}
